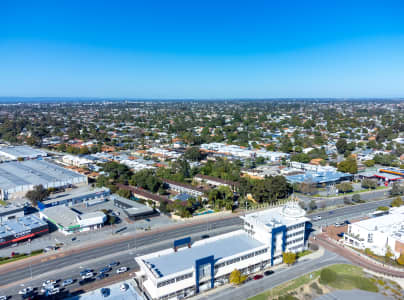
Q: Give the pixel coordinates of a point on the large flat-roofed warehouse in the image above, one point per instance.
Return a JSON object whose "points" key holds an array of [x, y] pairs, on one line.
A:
{"points": [[20, 152], [179, 273], [17, 178], [20, 229]]}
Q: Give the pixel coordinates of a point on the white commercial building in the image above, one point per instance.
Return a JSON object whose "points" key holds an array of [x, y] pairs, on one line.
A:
{"points": [[177, 273], [237, 151], [69, 221], [76, 161], [379, 233]]}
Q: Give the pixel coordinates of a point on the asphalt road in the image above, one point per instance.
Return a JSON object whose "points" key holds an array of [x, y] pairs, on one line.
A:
{"points": [[254, 287], [348, 212], [69, 266]]}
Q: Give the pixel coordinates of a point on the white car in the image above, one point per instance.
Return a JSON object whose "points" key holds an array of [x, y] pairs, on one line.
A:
{"points": [[26, 290], [124, 287], [121, 270], [53, 291], [317, 218], [87, 275], [3, 297], [49, 282]]}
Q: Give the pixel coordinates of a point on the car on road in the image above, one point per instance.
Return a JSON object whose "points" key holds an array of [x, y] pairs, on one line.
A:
{"points": [[105, 270], [113, 264], [26, 291], [87, 275], [101, 276], [316, 218], [53, 291], [85, 271], [205, 236], [46, 288], [49, 282], [3, 297], [67, 282], [269, 272], [85, 281], [121, 270], [257, 277]]}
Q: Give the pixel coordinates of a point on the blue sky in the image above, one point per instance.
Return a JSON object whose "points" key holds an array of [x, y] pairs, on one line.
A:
{"points": [[202, 49]]}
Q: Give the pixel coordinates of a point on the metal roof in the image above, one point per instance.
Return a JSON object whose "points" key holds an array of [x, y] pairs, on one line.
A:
{"points": [[317, 177], [184, 259], [18, 225], [21, 151], [32, 172]]}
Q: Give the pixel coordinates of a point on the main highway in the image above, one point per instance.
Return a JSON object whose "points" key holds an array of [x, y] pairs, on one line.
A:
{"points": [[68, 263]]}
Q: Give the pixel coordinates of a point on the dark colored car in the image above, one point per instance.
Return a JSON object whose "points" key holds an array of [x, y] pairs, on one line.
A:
{"points": [[113, 264], [85, 281], [205, 236], [105, 270], [102, 276], [269, 272], [85, 271], [257, 277]]}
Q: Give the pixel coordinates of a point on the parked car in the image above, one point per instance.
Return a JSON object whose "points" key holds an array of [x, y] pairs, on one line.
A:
{"points": [[85, 271], [101, 276], [49, 282], [121, 270], [257, 277], [53, 291], [269, 272], [339, 224], [113, 264], [124, 287], [205, 236], [316, 218], [67, 282], [88, 275], [3, 297], [105, 270], [26, 291], [85, 281]]}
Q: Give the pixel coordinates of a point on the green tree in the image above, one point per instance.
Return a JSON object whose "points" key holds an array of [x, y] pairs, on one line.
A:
{"points": [[369, 163], [389, 254], [36, 195], [344, 187], [348, 166], [193, 153], [236, 277], [356, 198], [396, 202], [289, 258], [369, 183], [342, 146], [396, 189]]}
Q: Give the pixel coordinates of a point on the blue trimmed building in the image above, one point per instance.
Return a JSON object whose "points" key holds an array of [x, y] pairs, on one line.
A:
{"points": [[190, 268]]}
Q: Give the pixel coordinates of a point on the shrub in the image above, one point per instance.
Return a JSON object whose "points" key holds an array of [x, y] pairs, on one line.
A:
{"points": [[356, 198], [400, 260], [316, 288], [327, 276]]}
